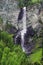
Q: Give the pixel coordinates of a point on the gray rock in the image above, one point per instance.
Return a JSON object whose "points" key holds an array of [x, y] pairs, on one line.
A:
{"points": [[10, 11]]}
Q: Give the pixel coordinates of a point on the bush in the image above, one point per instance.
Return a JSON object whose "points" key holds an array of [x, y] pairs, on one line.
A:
{"points": [[12, 58], [11, 54], [5, 56], [37, 63], [7, 39], [2, 46]]}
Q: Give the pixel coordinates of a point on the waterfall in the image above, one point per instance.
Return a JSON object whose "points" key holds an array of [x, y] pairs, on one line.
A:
{"points": [[23, 31], [24, 28]]}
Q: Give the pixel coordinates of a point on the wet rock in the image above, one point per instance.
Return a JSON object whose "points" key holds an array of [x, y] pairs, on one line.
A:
{"points": [[11, 30], [28, 41], [12, 11]]}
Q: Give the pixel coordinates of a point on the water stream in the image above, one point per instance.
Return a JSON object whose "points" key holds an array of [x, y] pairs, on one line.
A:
{"points": [[24, 28], [23, 31]]}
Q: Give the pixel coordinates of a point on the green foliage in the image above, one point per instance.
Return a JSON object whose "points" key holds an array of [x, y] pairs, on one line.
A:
{"points": [[38, 39], [11, 54], [2, 46], [12, 58], [36, 56], [1, 20], [7, 38], [5, 56], [36, 1], [23, 3], [37, 63]]}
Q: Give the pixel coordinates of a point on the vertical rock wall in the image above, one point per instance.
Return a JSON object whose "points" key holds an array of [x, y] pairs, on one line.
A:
{"points": [[9, 10]]}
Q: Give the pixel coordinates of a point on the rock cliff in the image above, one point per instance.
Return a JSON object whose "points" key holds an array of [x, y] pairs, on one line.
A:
{"points": [[9, 11]]}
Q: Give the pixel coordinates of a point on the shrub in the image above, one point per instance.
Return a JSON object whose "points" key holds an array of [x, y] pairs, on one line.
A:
{"points": [[2, 46], [36, 63], [12, 58], [7, 38]]}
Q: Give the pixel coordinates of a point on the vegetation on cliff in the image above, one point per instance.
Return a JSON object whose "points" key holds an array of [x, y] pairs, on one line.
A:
{"points": [[11, 54]]}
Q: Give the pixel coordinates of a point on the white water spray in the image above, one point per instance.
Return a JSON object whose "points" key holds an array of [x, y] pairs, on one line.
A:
{"points": [[24, 28]]}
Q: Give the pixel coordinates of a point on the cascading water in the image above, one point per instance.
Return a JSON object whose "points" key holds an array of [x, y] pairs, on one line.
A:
{"points": [[24, 28], [25, 33]]}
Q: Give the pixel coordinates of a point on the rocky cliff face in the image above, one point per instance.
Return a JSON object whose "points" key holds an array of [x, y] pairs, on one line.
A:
{"points": [[9, 10]]}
